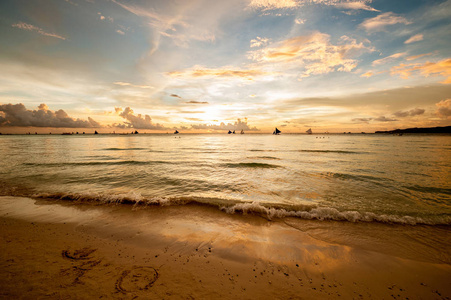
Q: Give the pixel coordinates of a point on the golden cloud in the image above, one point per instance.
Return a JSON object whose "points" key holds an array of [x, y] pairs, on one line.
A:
{"points": [[444, 108], [133, 85], [442, 68], [413, 57], [226, 72], [367, 74], [315, 52]]}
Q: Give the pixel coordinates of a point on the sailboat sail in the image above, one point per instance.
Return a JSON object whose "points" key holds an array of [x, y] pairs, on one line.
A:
{"points": [[276, 131], [176, 131], [309, 131]]}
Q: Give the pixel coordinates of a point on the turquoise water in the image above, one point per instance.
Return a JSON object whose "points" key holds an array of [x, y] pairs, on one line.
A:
{"points": [[382, 178]]}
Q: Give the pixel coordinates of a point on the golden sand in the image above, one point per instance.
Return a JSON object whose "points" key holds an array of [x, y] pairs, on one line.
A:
{"points": [[61, 251]]}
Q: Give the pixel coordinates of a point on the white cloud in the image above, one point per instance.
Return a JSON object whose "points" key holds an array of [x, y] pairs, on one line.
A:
{"points": [[29, 27], [415, 38], [356, 5], [274, 4], [388, 58], [299, 21], [258, 42], [383, 20]]}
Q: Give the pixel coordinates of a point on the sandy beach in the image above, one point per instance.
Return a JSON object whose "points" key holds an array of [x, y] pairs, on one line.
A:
{"points": [[78, 251]]}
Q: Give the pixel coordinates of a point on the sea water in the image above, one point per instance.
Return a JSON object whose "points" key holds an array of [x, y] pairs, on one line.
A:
{"points": [[353, 177]]}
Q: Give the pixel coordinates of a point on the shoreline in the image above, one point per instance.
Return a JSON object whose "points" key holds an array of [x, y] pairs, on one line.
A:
{"points": [[75, 251]]}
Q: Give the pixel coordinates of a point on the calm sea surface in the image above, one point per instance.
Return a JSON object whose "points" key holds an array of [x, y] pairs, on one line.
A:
{"points": [[382, 178]]}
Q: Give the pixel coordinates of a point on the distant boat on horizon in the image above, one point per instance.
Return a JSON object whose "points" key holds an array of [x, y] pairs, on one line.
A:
{"points": [[242, 131], [277, 131], [176, 131], [229, 132], [309, 131]]}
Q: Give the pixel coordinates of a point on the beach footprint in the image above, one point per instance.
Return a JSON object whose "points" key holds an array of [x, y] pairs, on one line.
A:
{"points": [[82, 254], [136, 279]]}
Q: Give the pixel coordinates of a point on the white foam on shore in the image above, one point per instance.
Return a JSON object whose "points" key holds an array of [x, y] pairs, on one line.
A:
{"points": [[327, 213], [267, 210]]}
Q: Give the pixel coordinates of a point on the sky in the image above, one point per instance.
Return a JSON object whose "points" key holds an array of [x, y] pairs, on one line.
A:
{"points": [[211, 66]]}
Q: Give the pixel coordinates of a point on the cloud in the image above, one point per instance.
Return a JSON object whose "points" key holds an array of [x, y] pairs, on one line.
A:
{"points": [[442, 68], [388, 58], [175, 96], [356, 5], [133, 85], [238, 125], [292, 4], [384, 119], [314, 52], [197, 102], [367, 74], [412, 112], [137, 121], [19, 115], [258, 42], [226, 72], [120, 32], [413, 57], [274, 4], [187, 23], [383, 20], [300, 21], [378, 119], [415, 38], [362, 120], [29, 27], [444, 108]]}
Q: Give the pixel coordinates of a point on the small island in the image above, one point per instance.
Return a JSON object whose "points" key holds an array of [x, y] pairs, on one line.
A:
{"points": [[445, 129]]}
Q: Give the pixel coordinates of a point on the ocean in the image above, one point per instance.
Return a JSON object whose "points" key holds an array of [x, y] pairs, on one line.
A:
{"points": [[364, 178]]}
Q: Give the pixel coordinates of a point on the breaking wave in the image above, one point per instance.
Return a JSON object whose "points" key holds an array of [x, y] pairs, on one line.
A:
{"points": [[268, 211]]}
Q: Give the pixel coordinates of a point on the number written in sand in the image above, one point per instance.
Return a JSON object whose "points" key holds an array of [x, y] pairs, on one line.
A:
{"points": [[136, 279]]}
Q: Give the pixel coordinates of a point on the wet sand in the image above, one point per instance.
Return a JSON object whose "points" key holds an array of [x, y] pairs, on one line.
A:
{"points": [[78, 251]]}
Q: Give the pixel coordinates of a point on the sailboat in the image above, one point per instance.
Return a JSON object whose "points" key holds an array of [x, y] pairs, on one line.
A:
{"points": [[277, 131], [176, 131], [233, 132], [309, 131], [242, 131], [229, 132]]}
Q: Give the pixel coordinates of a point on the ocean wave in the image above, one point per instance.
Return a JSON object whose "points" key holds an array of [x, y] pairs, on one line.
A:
{"points": [[254, 165], [123, 149], [330, 151], [332, 214], [311, 151], [98, 163], [266, 210]]}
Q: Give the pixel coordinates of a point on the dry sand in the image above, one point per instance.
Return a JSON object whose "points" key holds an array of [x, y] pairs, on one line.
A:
{"points": [[67, 251]]}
